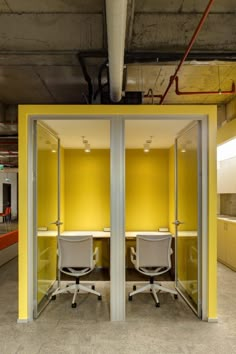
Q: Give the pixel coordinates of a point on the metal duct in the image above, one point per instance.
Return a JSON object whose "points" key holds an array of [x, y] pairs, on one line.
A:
{"points": [[116, 12]]}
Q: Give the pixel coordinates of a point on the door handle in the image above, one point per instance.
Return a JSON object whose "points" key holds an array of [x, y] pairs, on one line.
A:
{"points": [[177, 222], [57, 223]]}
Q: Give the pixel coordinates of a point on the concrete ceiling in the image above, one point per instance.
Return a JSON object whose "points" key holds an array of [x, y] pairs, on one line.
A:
{"points": [[48, 47], [40, 40]]}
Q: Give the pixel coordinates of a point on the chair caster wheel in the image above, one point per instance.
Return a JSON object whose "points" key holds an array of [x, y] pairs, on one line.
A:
{"points": [[53, 297], [134, 287], [130, 298], [175, 296], [100, 297], [158, 304], [73, 305], [93, 287]]}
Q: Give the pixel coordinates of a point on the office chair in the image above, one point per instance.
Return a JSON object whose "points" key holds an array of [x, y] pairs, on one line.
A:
{"points": [[6, 217], [76, 259], [152, 258]]}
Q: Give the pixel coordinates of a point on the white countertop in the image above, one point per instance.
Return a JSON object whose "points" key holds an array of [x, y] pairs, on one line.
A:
{"points": [[128, 234], [187, 233], [100, 234], [227, 218]]}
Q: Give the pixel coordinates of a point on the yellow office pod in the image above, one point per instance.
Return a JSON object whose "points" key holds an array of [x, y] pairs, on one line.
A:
{"points": [[96, 190]]}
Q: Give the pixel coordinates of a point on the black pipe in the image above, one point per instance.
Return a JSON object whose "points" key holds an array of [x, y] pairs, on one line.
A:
{"points": [[100, 86], [86, 77], [154, 56]]}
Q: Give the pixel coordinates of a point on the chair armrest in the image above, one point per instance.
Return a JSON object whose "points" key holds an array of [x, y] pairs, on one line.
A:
{"points": [[95, 255], [132, 255]]}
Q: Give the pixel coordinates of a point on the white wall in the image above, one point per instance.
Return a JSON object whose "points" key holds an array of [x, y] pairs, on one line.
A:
{"points": [[13, 181]]}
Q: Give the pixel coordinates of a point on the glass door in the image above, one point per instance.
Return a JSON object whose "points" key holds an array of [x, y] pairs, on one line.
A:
{"points": [[46, 214], [188, 216]]}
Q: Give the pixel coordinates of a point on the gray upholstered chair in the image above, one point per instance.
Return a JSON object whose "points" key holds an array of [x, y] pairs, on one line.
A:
{"points": [[152, 258], [76, 259]]}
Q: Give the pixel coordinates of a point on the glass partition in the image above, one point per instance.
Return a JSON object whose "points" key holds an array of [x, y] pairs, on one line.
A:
{"points": [[47, 197], [188, 216]]}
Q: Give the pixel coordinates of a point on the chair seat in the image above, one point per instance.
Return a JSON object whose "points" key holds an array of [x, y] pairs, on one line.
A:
{"points": [[152, 258]]}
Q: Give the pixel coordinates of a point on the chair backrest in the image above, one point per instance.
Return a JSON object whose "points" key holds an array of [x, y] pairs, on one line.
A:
{"points": [[75, 251], [8, 211], [153, 251]]}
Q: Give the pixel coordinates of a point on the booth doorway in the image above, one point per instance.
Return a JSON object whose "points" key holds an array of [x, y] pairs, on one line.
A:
{"points": [[6, 191], [118, 297]]}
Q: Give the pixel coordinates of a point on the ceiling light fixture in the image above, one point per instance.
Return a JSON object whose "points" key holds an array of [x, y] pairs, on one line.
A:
{"points": [[146, 148], [146, 145], [86, 145]]}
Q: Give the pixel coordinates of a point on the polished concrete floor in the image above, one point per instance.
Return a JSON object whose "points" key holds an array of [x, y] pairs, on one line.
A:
{"points": [[170, 329]]}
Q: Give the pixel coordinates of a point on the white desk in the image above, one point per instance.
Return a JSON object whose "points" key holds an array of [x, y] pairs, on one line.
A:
{"points": [[100, 234]]}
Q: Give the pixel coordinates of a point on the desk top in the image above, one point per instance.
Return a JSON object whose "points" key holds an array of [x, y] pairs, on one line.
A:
{"points": [[100, 234]]}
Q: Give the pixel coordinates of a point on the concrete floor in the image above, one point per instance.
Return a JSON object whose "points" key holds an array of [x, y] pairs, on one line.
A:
{"points": [[9, 227], [170, 329]]}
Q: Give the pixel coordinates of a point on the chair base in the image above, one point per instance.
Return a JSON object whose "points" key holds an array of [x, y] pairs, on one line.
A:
{"points": [[76, 288], [154, 288]]}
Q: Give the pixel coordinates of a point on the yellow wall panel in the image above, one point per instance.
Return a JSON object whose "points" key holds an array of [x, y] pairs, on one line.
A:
{"points": [[226, 132], [147, 189], [87, 189]]}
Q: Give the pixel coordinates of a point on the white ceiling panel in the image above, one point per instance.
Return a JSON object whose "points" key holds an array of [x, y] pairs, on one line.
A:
{"points": [[71, 133], [97, 132]]}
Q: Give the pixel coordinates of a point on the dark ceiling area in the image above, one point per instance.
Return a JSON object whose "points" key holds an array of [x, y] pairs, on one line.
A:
{"points": [[59, 52]]}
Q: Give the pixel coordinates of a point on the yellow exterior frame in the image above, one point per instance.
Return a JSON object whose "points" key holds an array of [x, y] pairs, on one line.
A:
{"points": [[26, 112]]}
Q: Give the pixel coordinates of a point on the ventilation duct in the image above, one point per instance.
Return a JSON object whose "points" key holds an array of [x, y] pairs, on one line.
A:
{"points": [[116, 12]]}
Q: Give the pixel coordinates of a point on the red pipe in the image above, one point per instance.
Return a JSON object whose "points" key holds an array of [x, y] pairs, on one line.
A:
{"points": [[204, 16], [219, 92]]}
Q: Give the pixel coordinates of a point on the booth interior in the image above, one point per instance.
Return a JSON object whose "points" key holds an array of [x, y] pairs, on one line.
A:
{"points": [[79, 195]]}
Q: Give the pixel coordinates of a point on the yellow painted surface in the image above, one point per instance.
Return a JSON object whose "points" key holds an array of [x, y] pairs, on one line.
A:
{"points": [[62, 189], [226, 132], [47, 189], [23, 313], [47, 207], [187, 190], [87, 189], [47, 260], [172, 189], [226, 234], [147, 189], [25, 114]]}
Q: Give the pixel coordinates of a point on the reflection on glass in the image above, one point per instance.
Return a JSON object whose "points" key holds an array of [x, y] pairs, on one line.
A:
{"points": [[187, 243], [47, 162]]}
